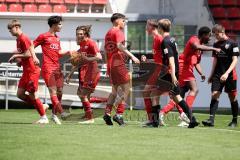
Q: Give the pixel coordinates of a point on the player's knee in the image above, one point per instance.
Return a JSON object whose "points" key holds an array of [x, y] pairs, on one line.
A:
{"points": [[215, 95], [232, 96]]}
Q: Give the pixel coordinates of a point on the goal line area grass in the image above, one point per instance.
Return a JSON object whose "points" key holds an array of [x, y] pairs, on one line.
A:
{"points": [[22, 140]]}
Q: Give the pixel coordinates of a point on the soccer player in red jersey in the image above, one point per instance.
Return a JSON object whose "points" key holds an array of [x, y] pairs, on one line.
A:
{"points": [[118, 73], [89, 72], [51, 69], [152, 29], [188, 60], [31, 72], [223, 74]]}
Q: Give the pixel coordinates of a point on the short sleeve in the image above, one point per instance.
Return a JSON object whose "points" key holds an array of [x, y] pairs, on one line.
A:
{"points": [[25, 43], [119, 37], [38, 41], [168, 50], [94, 48], [235, 49]]}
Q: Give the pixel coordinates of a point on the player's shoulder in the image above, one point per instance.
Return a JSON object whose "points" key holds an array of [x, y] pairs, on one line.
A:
{"points": [[169, 39], [24, 37], [193, 38], [231, 42]]}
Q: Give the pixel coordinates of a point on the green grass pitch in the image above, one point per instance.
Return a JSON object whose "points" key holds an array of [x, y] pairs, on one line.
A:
{"points": [[22, 140]]}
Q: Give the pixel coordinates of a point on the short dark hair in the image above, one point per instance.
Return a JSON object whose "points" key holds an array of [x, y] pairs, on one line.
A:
{"points": [[86, 29], [54, 20], [203, 31], [116, 16]]}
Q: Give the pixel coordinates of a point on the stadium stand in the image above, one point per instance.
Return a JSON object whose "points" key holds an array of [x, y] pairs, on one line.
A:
{"points": [[12, 1], [15, 8], [30, 8], [215, 2], [57, 1], [3, 8], [42, 1], [85, 1], [45, 8], [71, 1], [59, 8], [27, 1], [227, 13]]}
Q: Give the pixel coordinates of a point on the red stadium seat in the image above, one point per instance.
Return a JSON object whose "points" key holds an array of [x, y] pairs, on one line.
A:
{"points": [[59, 9], [86, 1], [214, 2], [3, 8], [226, 24], [44, 8], [30, 8], [71, 1], [233, 12], [12, 1], [100, 1], [236, 25], [15, 8], [56, 1], [2, 0], [219, 12], [26, 1], [229, 2], [41, 1]]}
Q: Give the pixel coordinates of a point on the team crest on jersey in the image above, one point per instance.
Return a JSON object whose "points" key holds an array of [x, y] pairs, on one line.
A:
{"points": [[165, 51], [227, 46], [86, 47]]}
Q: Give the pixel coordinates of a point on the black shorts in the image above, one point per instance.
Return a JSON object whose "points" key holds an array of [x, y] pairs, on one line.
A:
{"points": [[229, 85], [165, 85]]}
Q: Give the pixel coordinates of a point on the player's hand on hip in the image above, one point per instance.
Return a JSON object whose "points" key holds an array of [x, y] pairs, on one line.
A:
{"points": [[135, 60], [224, 77]]}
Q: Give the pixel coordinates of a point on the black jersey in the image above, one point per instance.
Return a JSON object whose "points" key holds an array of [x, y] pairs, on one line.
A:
{"points": [[169, 49], [229, 48]]}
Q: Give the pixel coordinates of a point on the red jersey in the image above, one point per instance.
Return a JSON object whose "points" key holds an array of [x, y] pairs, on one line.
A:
{"points": [[50, 47], [157, 51], [23, 44], [114, 56], [191, 57], [90, 49]]}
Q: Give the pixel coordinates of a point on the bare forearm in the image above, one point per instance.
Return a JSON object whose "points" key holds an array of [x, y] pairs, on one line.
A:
{"points": [[199, 69], [122, 48], [233, 65], [172, 66]]}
